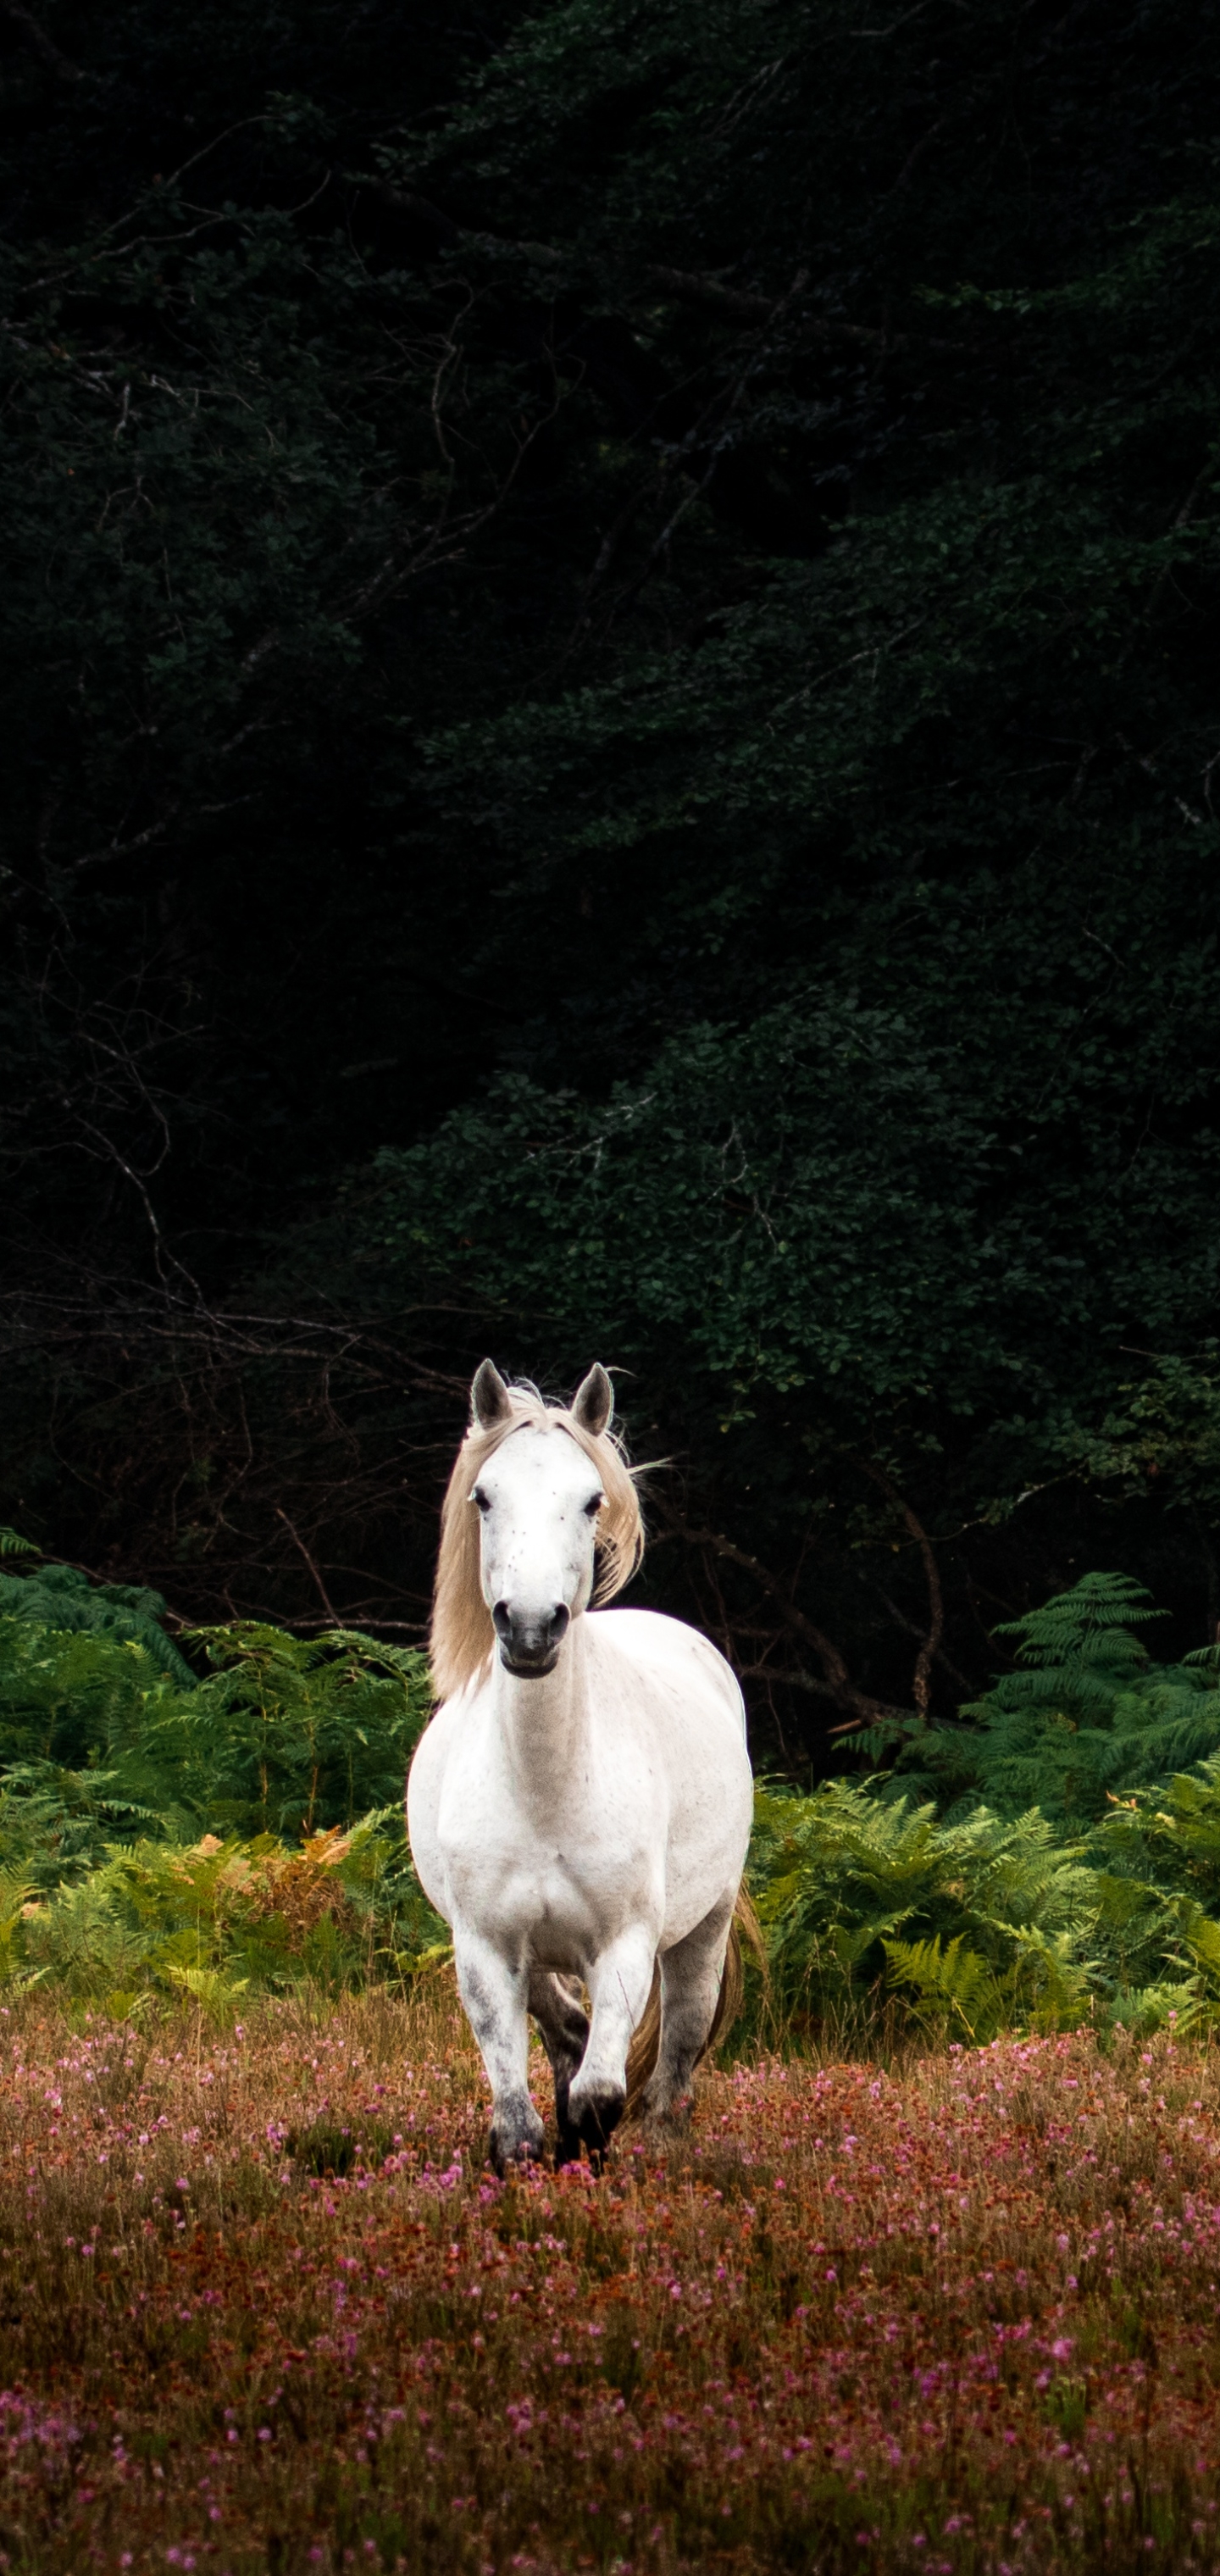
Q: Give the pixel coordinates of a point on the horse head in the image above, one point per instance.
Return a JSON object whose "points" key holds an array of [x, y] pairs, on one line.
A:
{"points": [[539, 1496]]}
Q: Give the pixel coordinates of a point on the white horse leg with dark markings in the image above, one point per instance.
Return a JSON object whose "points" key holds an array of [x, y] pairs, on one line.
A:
{"points": [[619, 1986], [555, 2003], [690, 1989], [495, 1995]]}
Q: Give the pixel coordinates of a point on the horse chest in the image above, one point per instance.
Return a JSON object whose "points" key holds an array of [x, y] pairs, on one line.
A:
{"points": [[561, 1900], [561, 1912]]}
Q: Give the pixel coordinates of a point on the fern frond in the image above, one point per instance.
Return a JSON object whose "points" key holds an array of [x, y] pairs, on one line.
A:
{"points": [[1099, 1605], [12, 1543], [954, 1985]]}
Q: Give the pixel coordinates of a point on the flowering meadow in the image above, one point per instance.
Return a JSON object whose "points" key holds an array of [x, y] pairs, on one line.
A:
{"points": [[264, 2306]]}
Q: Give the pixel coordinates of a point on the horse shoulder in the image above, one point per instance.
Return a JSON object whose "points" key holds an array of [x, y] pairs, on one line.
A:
{"points": [[671, 1653], [655, 1642]]}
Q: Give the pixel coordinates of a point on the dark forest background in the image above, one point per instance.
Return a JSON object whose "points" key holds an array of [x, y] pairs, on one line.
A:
{"points": [[610, 636]]}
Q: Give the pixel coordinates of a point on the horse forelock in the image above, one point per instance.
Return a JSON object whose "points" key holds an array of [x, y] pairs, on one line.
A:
{"points": [[462, 1633]]}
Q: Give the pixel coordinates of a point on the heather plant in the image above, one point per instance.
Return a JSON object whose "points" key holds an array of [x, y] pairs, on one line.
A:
{"points": [[269, 2309]]}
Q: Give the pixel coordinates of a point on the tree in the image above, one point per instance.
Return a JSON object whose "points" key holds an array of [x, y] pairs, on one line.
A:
{"points": [[676, 576]]}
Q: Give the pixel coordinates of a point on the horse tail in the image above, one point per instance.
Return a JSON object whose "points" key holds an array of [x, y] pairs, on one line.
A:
{"points": [[745, 1933], [645, 2047]]}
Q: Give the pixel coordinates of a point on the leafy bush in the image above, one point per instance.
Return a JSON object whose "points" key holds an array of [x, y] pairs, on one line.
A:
{"points": [[978, 1924], [162, 1829], [287, 1735], [214, 1919], [1049, 1855], [61, 1597], [283, 1735], [1088, 1714], [1056, 1854]]}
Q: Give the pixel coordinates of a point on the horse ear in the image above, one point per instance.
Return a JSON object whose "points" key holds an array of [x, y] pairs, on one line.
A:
{"points": [[593, 1402], [489, 1402]]}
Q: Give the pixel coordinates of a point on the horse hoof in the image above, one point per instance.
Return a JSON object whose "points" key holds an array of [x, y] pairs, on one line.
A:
{"points": [[668, 2119], [597, 2115], [507, 2161], [514, 2150]]}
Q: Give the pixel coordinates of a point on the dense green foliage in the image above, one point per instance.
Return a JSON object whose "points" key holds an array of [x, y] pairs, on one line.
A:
{"points": [[1051, 1854], [877, 1910], [246, 1833], [280, 1737], [610, 643], [985, 1920], [64, 1598], [1086, 1716], [240, 1827]]}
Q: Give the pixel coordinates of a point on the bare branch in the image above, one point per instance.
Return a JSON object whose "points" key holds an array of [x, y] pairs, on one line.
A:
{"points": [[36, 41], [835, 1683], [122, 849], [407, 201], [691, 287], [922, 1682], [945, 1661], [323, 1594]]}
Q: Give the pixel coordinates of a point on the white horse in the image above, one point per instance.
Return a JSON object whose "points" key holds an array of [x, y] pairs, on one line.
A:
{"points": [[579, 1806]]}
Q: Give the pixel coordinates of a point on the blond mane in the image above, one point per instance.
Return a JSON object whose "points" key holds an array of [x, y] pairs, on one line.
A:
{"points": [[462, 1633]]}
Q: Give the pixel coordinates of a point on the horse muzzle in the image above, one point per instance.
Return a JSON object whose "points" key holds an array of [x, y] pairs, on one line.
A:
{"points": [[530, 1641]]}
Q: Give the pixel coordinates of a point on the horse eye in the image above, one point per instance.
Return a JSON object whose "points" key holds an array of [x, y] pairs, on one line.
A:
{"points": [[594, 1507], [483, 1500]]}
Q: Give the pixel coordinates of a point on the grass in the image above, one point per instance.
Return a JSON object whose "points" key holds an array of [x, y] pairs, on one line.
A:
{"points": [[264, 2308]]}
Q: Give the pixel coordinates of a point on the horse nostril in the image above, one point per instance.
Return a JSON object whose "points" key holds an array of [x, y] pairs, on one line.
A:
{"points": [[530, 1637]]}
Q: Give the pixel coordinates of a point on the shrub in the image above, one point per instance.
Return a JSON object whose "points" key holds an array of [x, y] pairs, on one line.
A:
{"points": [[1086, 1716], [215, 1919], [974, 1925], [160, 1829], [243, 1833]]}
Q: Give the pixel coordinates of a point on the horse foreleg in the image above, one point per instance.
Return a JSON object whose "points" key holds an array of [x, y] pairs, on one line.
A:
{"points": [[690, 1990], [619, 1986], [556, 2007], [495, 1994]]}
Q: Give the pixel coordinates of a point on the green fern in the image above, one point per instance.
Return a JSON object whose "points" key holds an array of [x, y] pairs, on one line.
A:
{"points": [[288, 1735], [214, 1918], [957, 1988], [247, 1832], [1166, 2004], [60, 1597], [841, 1875], [283, 1735], [16, 1892], [1088, 1714], [151, 1825], [219, 1997], [1169, 1834]]}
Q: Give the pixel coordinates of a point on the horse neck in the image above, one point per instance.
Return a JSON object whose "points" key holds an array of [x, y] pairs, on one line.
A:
{"points": [[544, 1722]]}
